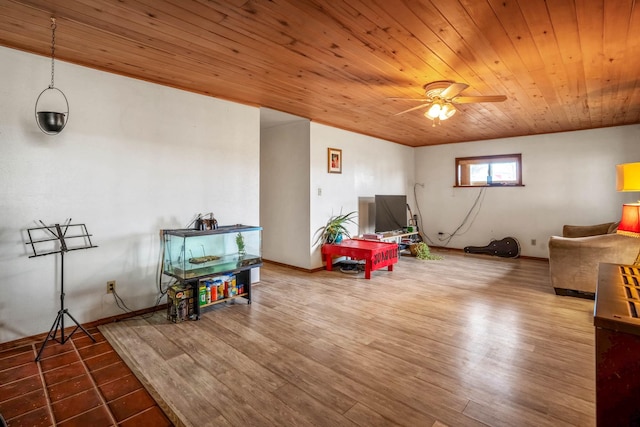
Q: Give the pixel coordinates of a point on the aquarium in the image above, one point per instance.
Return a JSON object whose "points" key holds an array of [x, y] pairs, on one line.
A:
{"points": [[190, 254]]}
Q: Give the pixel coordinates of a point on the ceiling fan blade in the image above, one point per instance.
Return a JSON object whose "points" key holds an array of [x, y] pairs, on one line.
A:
{"points": [[423, 99], [453, 90], [414, 108], [474, 99]]}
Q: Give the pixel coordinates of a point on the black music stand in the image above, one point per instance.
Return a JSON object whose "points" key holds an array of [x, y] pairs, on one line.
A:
{"points": [[55, 238]]}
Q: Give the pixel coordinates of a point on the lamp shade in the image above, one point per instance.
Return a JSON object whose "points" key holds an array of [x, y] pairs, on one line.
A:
{"points": [[630, 222], [448, 110], [440, 110], [433, 111], [628, 177]]}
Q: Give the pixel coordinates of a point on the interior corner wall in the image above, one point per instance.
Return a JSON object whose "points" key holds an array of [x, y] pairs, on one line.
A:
{"points": [[134, 158], [284, 193], [370, 166], [569, 178]]}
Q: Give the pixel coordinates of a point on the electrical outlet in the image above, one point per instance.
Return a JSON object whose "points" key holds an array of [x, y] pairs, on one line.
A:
{"points": [[533, 242], [111, 286]]}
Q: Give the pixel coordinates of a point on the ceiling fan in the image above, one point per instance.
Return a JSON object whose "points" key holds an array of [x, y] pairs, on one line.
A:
{"points": [[440, 97]]}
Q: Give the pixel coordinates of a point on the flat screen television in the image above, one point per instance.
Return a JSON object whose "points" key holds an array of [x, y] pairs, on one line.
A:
{"points": [[391, 213]]}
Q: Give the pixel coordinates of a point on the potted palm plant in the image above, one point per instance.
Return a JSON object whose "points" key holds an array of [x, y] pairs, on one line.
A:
{"points": [[335, 229]]}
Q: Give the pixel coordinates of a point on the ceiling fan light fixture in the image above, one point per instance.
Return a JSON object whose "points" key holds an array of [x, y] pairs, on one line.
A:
{"points": [[441, 96], [440, 110], [447, 111], [434, 111]]}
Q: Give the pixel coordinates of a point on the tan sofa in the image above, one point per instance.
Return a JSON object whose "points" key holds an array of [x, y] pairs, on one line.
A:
{"points": [[574, 257]]}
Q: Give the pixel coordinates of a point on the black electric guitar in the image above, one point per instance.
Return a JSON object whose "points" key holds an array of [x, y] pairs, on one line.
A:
{"points": [[506, 248]]}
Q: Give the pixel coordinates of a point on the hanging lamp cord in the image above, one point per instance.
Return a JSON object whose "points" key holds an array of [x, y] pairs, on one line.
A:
{"points": [[53, 48]]}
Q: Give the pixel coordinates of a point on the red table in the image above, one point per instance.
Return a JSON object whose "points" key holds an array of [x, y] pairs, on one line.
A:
{"points": [[375, 254]]}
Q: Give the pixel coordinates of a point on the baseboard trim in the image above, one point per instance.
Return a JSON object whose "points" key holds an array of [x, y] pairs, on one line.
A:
{"points": [[444, 248], [293, 267], [89, 325]]}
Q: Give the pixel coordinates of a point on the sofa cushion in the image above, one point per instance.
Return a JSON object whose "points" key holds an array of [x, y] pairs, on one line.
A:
{"points": [[588, 230]]}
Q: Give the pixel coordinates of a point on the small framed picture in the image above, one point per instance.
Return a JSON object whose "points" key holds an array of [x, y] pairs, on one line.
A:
{"points": [[335, 160]]}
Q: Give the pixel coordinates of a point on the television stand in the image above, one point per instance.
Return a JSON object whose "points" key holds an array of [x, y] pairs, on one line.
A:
{"points": [[397, 237]]}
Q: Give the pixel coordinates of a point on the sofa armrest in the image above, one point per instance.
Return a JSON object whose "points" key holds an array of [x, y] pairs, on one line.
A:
{"points": [[588, 230], [573, 262]]}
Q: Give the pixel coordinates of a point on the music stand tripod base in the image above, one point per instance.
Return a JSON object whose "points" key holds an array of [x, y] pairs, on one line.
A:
{"points": [[59, 322], [52, 234]]}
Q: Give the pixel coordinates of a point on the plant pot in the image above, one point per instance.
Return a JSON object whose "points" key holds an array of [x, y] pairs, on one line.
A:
{"points": [[413, 249], [335, 239], [50, 121]]}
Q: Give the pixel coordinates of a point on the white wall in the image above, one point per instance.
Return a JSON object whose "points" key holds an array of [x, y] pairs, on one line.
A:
{"points": [[298, 195], [137, 157], [134, 158], [569, 178], [370, 166], [284, 193]]}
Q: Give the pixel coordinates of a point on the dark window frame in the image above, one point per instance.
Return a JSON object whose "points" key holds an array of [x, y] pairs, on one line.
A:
{"points": [[463, 175]]}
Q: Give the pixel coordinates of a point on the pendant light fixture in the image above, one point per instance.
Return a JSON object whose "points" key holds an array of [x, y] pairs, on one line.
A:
{"points": [[51, 122]]}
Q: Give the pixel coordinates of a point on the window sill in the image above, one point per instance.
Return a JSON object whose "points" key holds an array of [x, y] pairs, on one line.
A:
{"points": [[488, 185]]}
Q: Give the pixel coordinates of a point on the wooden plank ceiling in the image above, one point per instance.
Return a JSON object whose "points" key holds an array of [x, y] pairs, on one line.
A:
{"points": [[563, 64]]}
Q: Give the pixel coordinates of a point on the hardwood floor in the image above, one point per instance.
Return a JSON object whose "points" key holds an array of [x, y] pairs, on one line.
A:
{"points": [[468, 340]]}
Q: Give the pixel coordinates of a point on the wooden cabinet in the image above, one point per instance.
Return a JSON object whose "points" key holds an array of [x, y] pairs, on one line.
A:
{"points": [[617, 333]]}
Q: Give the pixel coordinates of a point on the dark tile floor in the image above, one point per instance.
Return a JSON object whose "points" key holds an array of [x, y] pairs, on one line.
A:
{"points": [[78, 383]]}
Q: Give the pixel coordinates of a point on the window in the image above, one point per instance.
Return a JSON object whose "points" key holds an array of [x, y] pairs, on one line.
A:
{"points": [[482, 171]]}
